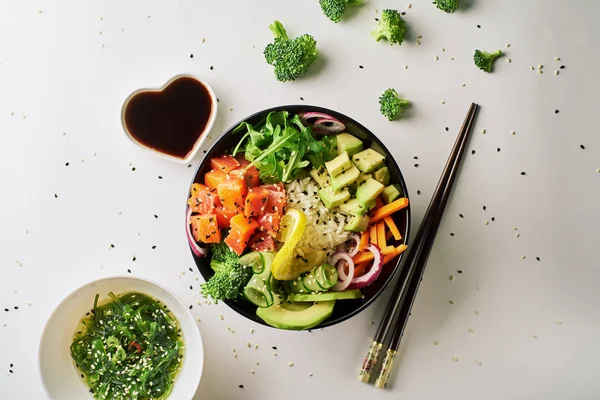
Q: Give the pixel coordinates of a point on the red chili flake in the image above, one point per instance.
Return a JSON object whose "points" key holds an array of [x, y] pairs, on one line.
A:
{"points": [[135, 345]]}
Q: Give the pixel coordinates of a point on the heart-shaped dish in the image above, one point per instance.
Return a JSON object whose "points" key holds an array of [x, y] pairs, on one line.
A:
{"points": [[172, 121]]}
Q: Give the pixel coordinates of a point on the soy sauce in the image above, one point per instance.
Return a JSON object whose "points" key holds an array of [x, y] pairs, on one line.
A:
{"points": [[170, 121]]}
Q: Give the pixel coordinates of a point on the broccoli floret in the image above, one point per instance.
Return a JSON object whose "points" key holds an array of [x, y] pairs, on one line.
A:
{"points": [[230, 276], [334, 9], [448, 6], [390, 104], [484, 60], [391, 27], [291, 58]]}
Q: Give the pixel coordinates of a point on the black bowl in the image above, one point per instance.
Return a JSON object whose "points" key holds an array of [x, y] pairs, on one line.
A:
{"points": [[344, 309]]}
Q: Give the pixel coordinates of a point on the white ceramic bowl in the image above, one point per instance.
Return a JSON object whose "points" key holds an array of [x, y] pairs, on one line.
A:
{"points": [[62, 379], [203, 136]]}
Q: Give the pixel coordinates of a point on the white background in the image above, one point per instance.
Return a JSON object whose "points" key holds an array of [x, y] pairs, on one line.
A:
{"points": [[67, 66]]}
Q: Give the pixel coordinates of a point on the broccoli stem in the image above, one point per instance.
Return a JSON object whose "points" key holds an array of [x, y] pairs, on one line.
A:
{"points": [[278, 30]]}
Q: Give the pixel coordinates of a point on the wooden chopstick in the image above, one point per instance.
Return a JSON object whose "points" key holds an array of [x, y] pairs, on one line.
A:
{"points": [[419, 246], [408, 298]]}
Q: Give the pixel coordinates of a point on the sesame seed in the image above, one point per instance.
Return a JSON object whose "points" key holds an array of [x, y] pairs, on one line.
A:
{"points": [[483, 131], [508, 60], [556, 58], [507, 45], [556, 72], [290, 364], [517, 235], [540, 66], [436, 343], [455, 359], [310, 374], [436, 58]]}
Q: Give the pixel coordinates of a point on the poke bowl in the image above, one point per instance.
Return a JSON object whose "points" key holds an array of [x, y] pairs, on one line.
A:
{"points": [[297, 217]]}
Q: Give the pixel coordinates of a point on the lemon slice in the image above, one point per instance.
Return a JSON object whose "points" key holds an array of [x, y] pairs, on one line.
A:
{"points": [[305, 259], [293, 224]]}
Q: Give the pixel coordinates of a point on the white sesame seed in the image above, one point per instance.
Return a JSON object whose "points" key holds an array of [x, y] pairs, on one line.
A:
{"points": [[507, 45], [310, 374], [517, 234], [532, 68], [455, 359], [523, 257], [483, 131], [418, 43], [463, 85], [487, 222], [409, 6], [252, 371], [255, 347], [540, 71], [556, 58], [471, 330], [290, 364], [251, 330], [436, 58], [508, 60], [443, 102], [406, 67], [513, 133], [540, 66], [556, 72]]}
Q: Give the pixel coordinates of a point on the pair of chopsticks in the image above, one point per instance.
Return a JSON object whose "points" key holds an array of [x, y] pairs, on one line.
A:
{"points": [[405, 291]]}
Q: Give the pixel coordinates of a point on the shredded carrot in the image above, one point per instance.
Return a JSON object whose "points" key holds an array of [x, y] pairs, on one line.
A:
{"points": [[398, 250], [360, 269], [378, 203], [388, 235], [393, 228], [389, 209], [373, 234], [368, 256], [364, 240], [381, 235]]}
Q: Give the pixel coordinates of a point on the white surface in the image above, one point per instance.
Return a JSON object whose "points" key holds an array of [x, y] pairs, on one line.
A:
{"points": [[67, 67], [57, 368]]}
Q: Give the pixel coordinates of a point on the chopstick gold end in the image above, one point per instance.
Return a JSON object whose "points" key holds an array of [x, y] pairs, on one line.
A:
{"points": [[386, 368], [369, 362]]}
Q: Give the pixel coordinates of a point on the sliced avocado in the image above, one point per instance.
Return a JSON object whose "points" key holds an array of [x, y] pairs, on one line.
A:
{"points": [[368, 160], [332, 199], [348, 143], [382, 175], [368, 191], [390, 193], [345, 178], [357, 224], [295, 317], [353, 207], [320, 176], [338, 164], [327, 296]]}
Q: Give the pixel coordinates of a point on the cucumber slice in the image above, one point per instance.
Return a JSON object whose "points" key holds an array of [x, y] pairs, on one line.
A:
{"points": [[255, 260], [310, 282], [296, 286], [256, 297], [345, 295], [327, 276]]}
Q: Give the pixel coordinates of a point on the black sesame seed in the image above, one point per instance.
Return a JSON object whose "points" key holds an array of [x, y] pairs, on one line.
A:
{"points": [[416, 158], [129, 270], [112, 246], [190, 306], [11, 365], [159, 177], [67, 164], [204, 151], [155, 216], [523, 173], [478, 26], [403, 13], [537, 258], [556, 111], [360, 66], [493, 219], [302, 98], [241, 386], [582, 147], [6, 309], [498, 149], [460, 215], [191, 287], [191, 56], [55, 196], [191, 270], [484, 208], [274, 347], [133, 168], [472, 151], [451, 234], [153, 247], [11, 371], [376, 19], [447, 129], [133, 258], [418, 192], [562, 67], [16, 308], [459, 271], [416, 165], [189, 165], [211, 67]]}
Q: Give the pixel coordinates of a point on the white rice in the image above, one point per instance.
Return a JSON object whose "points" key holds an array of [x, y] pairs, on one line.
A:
{"points": [[324, 228]]}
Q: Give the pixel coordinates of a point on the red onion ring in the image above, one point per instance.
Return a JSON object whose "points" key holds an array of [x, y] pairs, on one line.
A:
{"points": [[304, 117], [373, 273], [354, 250], [345, 280], [196, 249], [328, 125]]}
